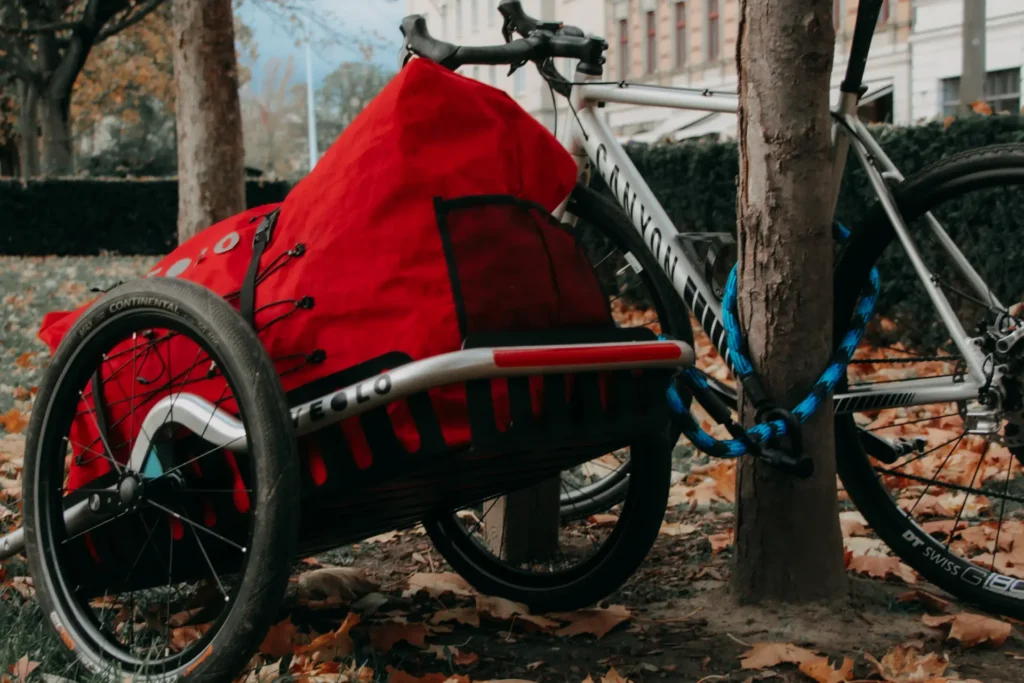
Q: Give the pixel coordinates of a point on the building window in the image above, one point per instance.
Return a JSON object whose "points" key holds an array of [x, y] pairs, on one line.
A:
{"points": [[713, 31], [652, 43], [475, 14], [680, 35], [458, 18], [883, 15], [837, 15], [623, 48], [520, 82], [1001, 92], [492, 74]]}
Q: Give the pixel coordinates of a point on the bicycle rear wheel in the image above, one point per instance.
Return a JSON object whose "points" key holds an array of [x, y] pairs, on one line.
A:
{"points": [[953, 508], [641, 296]]}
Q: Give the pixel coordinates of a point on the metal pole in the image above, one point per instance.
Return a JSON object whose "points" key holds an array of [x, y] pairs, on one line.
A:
{"points": [[313, 156], [972, 71]]}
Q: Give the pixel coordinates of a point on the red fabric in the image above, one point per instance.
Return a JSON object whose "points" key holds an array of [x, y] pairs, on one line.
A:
{"points": [[374, 261]]}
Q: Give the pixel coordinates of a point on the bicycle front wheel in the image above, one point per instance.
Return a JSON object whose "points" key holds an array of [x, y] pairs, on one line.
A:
{"points": [[950, 502]]}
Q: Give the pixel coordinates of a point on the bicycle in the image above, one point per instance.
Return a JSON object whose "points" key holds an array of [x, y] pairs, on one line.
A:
{"points": [[977, 373]]}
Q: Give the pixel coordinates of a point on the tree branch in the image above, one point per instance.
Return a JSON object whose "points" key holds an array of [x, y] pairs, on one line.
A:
{"points": [[35, 29], [132, 17]]}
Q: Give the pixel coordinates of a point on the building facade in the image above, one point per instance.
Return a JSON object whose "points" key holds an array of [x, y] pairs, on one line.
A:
{"points": [[912, 73]]}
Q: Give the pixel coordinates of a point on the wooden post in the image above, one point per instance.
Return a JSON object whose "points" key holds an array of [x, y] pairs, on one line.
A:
{"points": [[523, 526]]}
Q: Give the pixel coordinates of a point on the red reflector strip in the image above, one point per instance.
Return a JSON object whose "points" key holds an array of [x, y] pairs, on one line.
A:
{"points": [[586, 355]]}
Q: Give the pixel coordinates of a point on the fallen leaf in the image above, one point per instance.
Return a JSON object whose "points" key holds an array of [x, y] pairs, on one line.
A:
{"points": [[335, 585], [720, 542], [882, 568], [925, 598], [603, 520], [436, 585], [25, 359], [821, 671], [383, 637], [499, 608], [613, 677], [332, 645], [461, 615], [461, 658], [184, 636], [764, 655], [398, 676], [386, 537], [13, 421], [971, 629], [905, 663], [596, 622], [278, 642], [370, 603], [676, 529], [22, 668]]}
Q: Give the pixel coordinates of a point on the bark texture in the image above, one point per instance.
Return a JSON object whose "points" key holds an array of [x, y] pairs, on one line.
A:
{"points": [[28, 131], [788, 539], [211, 166]]}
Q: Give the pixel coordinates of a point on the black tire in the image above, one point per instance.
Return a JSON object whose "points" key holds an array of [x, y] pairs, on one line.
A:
{"points": [[619, 557], [946, 180], [260, 583], [606, 222]]}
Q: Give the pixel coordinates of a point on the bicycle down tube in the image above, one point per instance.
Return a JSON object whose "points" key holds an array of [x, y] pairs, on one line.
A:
{"points": [[589, 138]]}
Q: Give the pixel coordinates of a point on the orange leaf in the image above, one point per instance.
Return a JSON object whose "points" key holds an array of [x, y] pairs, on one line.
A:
{"points": [[13, 421], [882, 568], [337, 643], [603, 519], [596, 622], [278, 642], [25, 359], [613, 677], [971, 629], [905, 663], [720, 542], [22, 668], [461, 615], [821, 671], [764, 655], [385, 636]]}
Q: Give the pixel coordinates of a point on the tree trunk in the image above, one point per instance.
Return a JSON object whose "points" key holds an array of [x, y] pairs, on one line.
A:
{"points": [[211, 157], [28, 131], [524, 526], [788, 540], [53, 119]]}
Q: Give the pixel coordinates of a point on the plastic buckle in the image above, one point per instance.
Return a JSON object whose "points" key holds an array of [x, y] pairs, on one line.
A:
{"points": [[786, 458]]}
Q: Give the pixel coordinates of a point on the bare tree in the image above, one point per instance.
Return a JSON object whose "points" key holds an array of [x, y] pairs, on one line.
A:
{"points": [[211, 156], [788, 540]]}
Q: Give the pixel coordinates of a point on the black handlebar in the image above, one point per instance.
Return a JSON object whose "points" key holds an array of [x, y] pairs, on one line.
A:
{"points": [[541, 41]]}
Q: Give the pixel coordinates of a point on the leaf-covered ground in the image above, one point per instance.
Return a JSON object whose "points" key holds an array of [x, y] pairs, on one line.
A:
{"points": [[389, 608]]}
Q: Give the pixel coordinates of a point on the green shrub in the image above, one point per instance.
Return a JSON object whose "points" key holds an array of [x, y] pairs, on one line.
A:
{"points": [[69, 217]]}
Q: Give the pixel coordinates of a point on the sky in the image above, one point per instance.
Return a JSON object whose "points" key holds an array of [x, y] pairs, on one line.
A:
{"points": [[355, 17]]}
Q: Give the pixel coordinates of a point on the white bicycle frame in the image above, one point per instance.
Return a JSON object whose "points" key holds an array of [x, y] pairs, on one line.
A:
{"points": [[591, 142]]}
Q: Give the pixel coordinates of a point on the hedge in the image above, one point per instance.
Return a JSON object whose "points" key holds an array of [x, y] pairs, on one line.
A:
{"points": [[696, 184], [87, 216]]}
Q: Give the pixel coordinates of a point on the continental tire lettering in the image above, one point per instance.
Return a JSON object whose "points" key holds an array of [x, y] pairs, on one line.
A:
{"points": [[65, 637], [140, 301]]}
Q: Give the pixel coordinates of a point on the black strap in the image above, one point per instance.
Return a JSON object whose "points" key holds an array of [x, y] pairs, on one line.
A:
{"points": [[260, 240]]}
